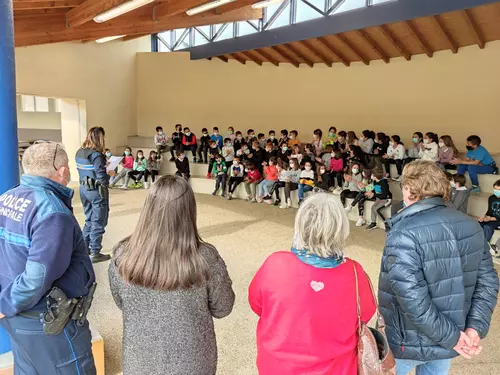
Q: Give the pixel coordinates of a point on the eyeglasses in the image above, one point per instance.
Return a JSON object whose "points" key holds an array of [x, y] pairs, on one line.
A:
{"points": [[55, 152]]}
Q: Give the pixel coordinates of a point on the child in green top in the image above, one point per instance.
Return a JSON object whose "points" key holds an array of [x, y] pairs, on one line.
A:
{"points": [[219, 169], [140, 168]]}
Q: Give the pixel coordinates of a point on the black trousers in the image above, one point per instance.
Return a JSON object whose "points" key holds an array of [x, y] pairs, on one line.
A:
{"points": [[175, 148], [136, 175], [191, 148], [276, 189], [360, 201], [185, 175], [233, 183], [399, 165], [210, 164], [203, 149], [339, 176], [220, 182], [153, 175], [347, 194]]}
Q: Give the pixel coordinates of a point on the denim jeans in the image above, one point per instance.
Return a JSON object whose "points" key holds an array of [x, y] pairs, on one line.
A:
{"points": [[437, 367], [265, 187], [302, 189], [489, 228], [96, 209], [474, 170]]}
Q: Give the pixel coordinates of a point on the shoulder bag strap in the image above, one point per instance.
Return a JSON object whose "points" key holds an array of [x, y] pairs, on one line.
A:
{"points": [[358, 305]]}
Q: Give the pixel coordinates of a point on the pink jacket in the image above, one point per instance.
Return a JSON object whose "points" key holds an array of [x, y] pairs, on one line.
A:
{"points": [[336, 165], [308, 321]]}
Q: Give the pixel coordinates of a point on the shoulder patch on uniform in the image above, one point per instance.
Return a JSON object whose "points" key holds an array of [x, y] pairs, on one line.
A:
{"points": [[48, 204]]}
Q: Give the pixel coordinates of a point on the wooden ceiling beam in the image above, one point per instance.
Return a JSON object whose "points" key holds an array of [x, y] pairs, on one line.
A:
{"points": [[234, 6], [173, 8], [132, 37], [286, 56], [291, 48], [258, 61], [395, 42], [223, 58], [23, 5], [474, 28], [52, 28], [316, 52], [332, 50], [451, 42], [351, 48], [267, 56], [238, 58], [88, 10], [419, 38], [373, 45]]}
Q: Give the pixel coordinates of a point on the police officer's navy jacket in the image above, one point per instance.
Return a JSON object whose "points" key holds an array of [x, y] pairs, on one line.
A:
{"points": [[41, 246], [437, 278], [92, 163]]}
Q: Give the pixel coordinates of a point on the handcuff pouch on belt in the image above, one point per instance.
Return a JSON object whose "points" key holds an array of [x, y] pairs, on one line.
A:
{"points": [[92, 184]]}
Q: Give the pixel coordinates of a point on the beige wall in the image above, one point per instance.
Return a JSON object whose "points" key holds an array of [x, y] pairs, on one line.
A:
{"points": [[101, 74], [38, 120], [454, 94]]}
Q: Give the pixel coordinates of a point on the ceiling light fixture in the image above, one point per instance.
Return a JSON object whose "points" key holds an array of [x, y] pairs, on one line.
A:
{"points": [[109, 38], [265, 3], [120, 9], [207, 6]]}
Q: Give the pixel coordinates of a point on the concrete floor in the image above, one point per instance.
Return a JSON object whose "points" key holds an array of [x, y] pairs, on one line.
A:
{"points": [[245, 234]]}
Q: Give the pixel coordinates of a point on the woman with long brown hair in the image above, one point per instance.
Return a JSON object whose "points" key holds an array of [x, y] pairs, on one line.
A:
{"points": [[94, 194], [169, 285]]}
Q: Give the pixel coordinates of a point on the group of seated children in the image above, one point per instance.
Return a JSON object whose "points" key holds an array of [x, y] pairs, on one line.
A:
{"points": [[136, 169]]}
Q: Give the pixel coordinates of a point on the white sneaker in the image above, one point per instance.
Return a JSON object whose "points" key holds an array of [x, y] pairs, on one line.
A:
{"points": [[146, 185], [360, 222], [348, 209], [338, 190], [289, 204], [124, 187], [285, 206]]}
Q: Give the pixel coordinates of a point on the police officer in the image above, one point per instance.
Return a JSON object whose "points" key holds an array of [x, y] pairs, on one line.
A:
{"points": [[46, 277], [94, 193]]}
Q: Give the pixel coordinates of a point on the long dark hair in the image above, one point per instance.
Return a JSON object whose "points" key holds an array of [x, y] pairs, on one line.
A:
{"points": [[163, 252], [95, 139]]}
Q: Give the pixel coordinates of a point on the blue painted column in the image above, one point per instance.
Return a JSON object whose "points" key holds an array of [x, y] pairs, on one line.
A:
{"points": [[9, 168]]}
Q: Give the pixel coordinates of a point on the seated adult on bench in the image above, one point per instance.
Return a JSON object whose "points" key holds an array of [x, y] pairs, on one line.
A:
{"points": [[479, 161]]}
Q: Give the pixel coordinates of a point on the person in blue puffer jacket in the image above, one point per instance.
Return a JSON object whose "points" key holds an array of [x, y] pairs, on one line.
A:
{"points": [[437, 285], [42, 250]]}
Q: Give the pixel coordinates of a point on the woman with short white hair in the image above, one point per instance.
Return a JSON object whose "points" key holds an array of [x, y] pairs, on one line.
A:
{"points": [[306, 297]]}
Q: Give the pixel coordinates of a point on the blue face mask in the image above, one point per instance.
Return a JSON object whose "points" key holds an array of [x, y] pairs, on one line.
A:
{"points": [[108, 154], [127, 153], [496, 192], [415, 140]]}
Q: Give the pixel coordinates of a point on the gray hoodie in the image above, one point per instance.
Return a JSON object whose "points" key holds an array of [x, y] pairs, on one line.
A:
{"points": [[459, 199], [353, 185]]}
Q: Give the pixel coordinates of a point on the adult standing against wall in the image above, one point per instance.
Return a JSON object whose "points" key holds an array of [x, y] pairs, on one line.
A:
{"points": [[42, 277], [94, 193], [437, 287]]}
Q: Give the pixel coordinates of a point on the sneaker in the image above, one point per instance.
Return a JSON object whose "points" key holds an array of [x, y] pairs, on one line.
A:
{"points": [[360, 222], [229, 196], [300, 201], [348, 209], [194, 160], [475, 189], [138, 185], [494, 250], [98, 257], [249, 198], [209, 176], [214, 193], [277, 202], [223, 195], [253, 200], [289, 204], [267, 198], [338, 190], [397, 179], [124, 187], [372, 226], [285, 206], [258, 200], [146, 185]]}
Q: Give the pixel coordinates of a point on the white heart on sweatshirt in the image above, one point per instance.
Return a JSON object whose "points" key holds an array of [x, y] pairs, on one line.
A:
{"points": [[317, 285]]}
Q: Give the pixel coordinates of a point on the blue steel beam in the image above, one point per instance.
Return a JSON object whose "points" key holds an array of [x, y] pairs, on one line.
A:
{"points": [[9, 168], [380, 14]]}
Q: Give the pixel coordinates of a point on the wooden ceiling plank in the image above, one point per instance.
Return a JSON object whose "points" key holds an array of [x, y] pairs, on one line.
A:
{"points": [[316, 52], [170, 9], [396, 43], [46, 4], [351, 48], [474, 28], [238, 58], [88, 10], [298, 53], [267, 56], [223, 58], [252, 57], [373, 44], [132, 37], [439, 24], [419, 38], [332, 50], [234, 6], [286, 56]]}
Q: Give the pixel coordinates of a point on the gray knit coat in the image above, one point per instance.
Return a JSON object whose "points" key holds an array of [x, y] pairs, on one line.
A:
{"points": [[172, 332]]}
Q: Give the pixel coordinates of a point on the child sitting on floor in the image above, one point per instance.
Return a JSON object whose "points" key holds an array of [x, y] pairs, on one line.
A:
{"points": [[306, 181], [491, 221], [352, 183], [337, 169], [382, 195], [182, 165], [271, 176], [251, 181], [323, 180], [219, 170], [459, 199], [236, 173]]}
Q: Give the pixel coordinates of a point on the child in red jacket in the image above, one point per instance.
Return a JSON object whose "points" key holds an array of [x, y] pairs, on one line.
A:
{"points": [[189, 142], [265, 186], [252, 179], [337, 169]]}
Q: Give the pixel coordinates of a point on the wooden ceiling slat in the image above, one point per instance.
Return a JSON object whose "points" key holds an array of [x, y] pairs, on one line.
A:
{"points": [[223, 58], [173, 8], [419, 38], [267, 56], [234, 6], [396, 43], [474, 29], [238, 58], [488, 20], [345, 42], [88, 10], [18, 5], [286, 55], [447, 36], [256, 60], [304, 58], [316, 52], [373, 44], [333, 51], [132, 37]]}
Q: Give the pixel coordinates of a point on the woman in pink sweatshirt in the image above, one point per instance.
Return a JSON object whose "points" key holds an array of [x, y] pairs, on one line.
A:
{"points": [[306, 297]]}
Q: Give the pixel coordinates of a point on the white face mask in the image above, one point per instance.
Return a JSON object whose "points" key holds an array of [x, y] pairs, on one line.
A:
{"points": [[452, 184], [308, 168], [355, 171], [292, 165], [188, 133], [427, 141], [391, 143], [216, 133], [236, 162], [441, 144], [271, 137], [140, 156], [322, 171]]}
